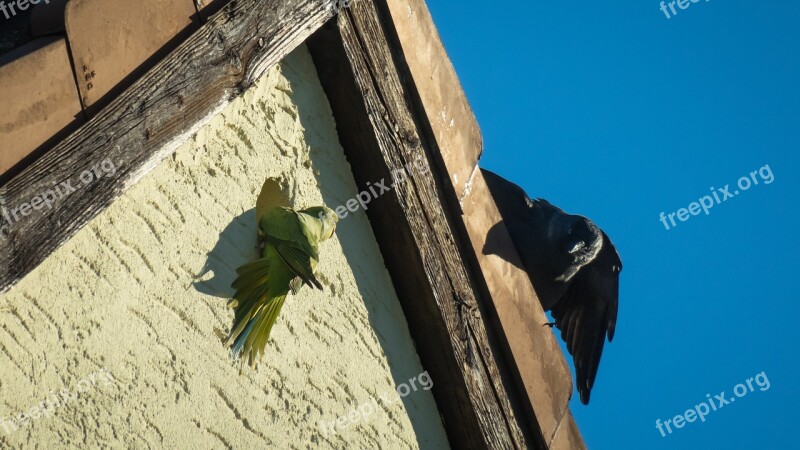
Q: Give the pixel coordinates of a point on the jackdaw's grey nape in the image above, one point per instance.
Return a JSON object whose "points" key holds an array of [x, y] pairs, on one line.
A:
{"points": [[573, 266]]}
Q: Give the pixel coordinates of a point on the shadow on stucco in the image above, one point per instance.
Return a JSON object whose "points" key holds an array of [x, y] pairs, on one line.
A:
{"points": [[353, 232], [237, 244]]}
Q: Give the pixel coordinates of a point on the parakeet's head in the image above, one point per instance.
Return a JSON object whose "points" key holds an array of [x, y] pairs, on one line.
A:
{"points": [[328, 218]]}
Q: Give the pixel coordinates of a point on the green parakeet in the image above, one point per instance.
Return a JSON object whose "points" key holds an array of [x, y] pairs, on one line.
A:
{"points": [[291, 251]]}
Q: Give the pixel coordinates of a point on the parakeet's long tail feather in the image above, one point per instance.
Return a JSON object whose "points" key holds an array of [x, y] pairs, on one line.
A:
{"points": [[257, 307], [238, 344], [251, 283], [251, 341]]}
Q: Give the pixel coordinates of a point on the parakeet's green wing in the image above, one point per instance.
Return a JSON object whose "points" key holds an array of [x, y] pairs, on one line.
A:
{"points": [[299, 262], [295, 242], [285, 224]]}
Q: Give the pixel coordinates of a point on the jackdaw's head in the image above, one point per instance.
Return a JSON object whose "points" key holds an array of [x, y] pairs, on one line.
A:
{"points": [[573, 241]]}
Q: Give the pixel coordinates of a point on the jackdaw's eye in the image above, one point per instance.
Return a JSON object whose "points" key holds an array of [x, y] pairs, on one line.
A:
{"points": [[579, 229]]}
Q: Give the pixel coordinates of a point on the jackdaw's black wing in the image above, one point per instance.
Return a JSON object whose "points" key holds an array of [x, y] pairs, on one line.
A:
{"points": [[574, 269], [587, 313]]}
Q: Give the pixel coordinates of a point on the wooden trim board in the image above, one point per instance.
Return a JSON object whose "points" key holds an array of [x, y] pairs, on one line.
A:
{"points": [[380, 131]]}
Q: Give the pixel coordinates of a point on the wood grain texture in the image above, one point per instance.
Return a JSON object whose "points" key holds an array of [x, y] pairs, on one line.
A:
{"points": [[441, 97], [532, 353], [147, 122], [377, 122]]}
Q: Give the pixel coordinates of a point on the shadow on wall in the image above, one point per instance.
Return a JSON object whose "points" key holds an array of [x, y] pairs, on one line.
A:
{"points": [[355, 236], [237, 244]]}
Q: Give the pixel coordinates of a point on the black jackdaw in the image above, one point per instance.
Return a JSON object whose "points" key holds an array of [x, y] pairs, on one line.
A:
{"points": [[574, 269]]}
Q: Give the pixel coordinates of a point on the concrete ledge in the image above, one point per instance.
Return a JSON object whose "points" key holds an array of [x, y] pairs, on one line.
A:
{"points": [[110, 39], [39, 96]]}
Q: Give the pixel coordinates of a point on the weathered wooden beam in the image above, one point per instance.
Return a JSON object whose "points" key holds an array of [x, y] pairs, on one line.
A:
{"points": [[380, 130], [532, 353], [144, 124]]}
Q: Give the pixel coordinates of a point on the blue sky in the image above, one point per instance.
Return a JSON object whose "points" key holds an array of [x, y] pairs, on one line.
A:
{"points": [[612, 111]]}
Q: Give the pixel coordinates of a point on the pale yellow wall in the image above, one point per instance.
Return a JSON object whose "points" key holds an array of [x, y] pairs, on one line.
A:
{"points": [[119, 296]]}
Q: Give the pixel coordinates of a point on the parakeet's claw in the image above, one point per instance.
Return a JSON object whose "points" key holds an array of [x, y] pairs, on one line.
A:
{"points": [[295, 285]]}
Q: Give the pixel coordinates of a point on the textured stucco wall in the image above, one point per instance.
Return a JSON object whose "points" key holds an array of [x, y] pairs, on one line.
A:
{"points": [[120, 296]]}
